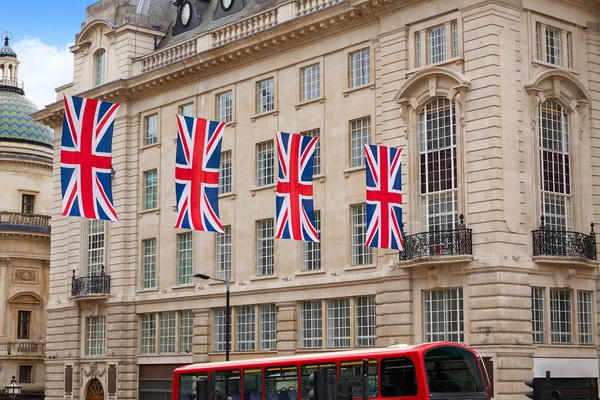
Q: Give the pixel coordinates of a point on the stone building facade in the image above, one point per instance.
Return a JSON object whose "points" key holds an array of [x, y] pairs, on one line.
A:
{"points": [[26, 175], [495, 103]]}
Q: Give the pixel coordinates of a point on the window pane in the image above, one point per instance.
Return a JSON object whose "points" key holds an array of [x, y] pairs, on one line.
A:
{"points": [[437, 44], [187, 110], [167, 332], [311, 88], [184, 258], [27, 202], [100, 67], [186, 331], [584, 314], [219, 327], [96, 336], [537, 315], [150, 129], [365, 321], [311, 325], [245, 328], [317, 153], [443, 315], [268, 327], [360, 253], [338, 323], [265, 96], [560, 316], [265, 159], [95, 256], [148, 334], [265, 248], [223, 253], [150, 190], [149, 262], [23, 324], [224, 107], [398, 378], [311, 251], [225, 172], [360, 134], [454, 39], [553, 46], [418, 49], [360, 68]]}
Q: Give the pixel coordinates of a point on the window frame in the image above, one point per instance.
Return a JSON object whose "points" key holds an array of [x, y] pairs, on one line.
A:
{"points": [[304, 94], [366, 253], [318, 154], [257, 103], [223, 253], [24, 324], [187, 278], [311, 252], [145, 126], [364, 79], [95, 268], [100, 76], [150, 275], [568, 33], [151, 327], [150, 190], [225, 185], [27, 208], [218, 116], [461, 332], [268, 177], [263, 244], [31, 373], [181, 109], [418, 41], [90, 336], [359, 132]]}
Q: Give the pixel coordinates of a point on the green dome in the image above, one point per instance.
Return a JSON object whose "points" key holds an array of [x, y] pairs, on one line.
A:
{"points": [[16, 122], [6, 51]]}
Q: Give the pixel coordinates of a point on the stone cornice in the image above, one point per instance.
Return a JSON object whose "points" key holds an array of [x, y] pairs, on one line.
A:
{"points": [[297, 31]]}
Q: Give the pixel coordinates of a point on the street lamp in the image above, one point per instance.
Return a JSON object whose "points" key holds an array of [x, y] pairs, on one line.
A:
{"points": [[227, 309], [12, 389]]}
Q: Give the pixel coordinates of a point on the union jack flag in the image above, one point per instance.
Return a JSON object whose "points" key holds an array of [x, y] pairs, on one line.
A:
{"points": [[384, 197], [197, 173], [294, 201], [86, 158]]}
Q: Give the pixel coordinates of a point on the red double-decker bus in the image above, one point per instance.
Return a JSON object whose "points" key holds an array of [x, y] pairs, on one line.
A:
{"points": [[441, 370]]}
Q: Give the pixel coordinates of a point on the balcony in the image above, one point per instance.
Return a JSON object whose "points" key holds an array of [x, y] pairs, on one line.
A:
{"points": [[12, 85], [454, 242], [22, 222], [25, 348], [91, 286], [547, 242]]}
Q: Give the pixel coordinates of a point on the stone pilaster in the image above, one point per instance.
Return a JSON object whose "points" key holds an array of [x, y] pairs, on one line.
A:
{"points": [[3, 284], [201, 332], [287, 339]]}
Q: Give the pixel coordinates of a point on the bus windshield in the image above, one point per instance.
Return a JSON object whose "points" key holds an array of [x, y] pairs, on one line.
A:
{"points": [[452, 370]]}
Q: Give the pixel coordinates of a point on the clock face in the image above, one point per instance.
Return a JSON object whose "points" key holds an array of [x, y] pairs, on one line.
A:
{"points": [[185, 14], [226, 4]]}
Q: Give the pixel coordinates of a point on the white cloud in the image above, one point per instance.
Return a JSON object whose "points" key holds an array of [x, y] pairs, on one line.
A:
{"points": [[43, 68]]}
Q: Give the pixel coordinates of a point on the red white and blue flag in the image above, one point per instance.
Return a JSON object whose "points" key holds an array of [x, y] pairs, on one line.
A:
{"points": [[197, 173], [86, 158], [384, 197], [294, 199]]}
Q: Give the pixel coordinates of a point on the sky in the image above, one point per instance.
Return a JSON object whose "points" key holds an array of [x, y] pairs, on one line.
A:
{"points": [[43, 31]]}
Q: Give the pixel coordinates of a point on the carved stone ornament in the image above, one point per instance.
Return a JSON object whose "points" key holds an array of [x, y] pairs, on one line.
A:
{"points": [[4, 261], [26, 275], [93, 371]]}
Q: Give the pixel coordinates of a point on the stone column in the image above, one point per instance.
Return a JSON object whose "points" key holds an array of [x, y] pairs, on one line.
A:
{"points": [[3, 285]]}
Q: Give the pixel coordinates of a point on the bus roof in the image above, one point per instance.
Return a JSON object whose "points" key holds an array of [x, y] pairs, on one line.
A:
{"points": [[316, 357]]}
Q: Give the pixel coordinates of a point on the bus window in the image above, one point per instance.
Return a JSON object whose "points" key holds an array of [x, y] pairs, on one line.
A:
{"points": [[187, 385], [252, 384], [281, 383], [305, 372], [452, 370], [351, 373], [398, 377], [228, 382]]}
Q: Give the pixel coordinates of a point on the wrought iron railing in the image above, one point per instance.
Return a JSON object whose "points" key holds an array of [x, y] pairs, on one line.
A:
{"points": [[12, 82], [90, 285], [457, 241], [548, 242], [24, 222]]}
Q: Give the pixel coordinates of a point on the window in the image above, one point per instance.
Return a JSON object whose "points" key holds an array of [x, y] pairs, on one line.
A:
{"points": [[27, 202], [265, 96], [23, 324], [167, 332], [338, 323], [187, 110], [317, 153], [560, 316], [537, 314], [437, 43], [438, 175], [223, 253], [361, 254], [150, 129], [311, 251], [186, 331], [265, 248], [96, 336], [95, 254], [148, 334], [268, 326], [225, 172], [219, 319], [149, 263], [100, 67], [311, 85], [360, 134], [245, 328], [184, 258], [25, 374], [398, 377], [225, 107], [150, 190], [265, 169], [584, 314], [553, 45], [360, 68], [311, 325], [443, 314], [555, 166], [365, 321]]}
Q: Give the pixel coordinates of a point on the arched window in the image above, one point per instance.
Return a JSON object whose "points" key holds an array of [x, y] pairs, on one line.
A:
{"points": [[100, 67], [555, 166], [438, 174]]}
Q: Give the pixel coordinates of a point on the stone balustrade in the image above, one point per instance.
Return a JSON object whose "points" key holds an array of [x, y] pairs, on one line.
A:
{"points": [[24, 222], [308, 6], [169, 55], [245, 27]]}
